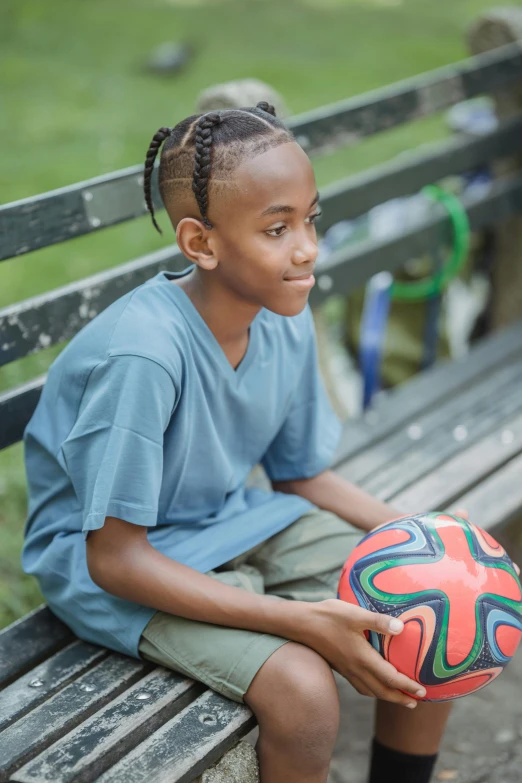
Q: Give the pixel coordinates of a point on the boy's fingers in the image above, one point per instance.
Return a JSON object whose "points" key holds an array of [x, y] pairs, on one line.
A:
{"points": [[386, 693], [360, 686], [388, 676]]}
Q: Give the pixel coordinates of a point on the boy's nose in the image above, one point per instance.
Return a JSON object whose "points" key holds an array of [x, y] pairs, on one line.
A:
{"points": [[305, 252]]}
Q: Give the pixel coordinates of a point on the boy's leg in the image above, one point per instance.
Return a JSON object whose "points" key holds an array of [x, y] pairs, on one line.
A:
{"points": [[303, 562], [407, 741], [294, 698], [417, 731], [289, 687]]}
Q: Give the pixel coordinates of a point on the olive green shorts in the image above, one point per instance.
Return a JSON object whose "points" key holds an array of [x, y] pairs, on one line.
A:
{"points": [[303, 562]]}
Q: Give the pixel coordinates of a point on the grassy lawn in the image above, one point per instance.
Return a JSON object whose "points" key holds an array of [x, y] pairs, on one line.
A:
{"points": [[77, 101]]}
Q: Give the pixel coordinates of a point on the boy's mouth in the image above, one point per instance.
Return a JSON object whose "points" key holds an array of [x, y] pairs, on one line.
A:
{"points": [[304, 276], [303, 282]]}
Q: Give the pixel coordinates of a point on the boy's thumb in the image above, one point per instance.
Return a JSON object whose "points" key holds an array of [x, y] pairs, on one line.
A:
{"points": [[382, 623]]}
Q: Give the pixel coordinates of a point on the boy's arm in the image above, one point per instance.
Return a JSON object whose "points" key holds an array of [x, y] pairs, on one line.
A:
{"points": [[122, 562], [330, 491]]}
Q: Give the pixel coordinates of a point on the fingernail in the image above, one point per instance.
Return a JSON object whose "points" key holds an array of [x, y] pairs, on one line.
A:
{"points": [[412, 705], [420, 692], [396, 625]]}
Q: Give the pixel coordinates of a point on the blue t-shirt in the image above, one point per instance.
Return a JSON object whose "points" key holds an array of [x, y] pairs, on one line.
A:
{"points": [[142, 417]]}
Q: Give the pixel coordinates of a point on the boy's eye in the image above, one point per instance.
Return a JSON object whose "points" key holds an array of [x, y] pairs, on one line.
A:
{"points": [[313, 217], [278, 230]]}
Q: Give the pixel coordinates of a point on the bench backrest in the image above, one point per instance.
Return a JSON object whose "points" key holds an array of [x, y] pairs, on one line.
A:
{"points": [[51, 318]]}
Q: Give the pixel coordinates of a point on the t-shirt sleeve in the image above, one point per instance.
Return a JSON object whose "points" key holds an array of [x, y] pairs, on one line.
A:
{"points": [[307, 440], [114, 452]]}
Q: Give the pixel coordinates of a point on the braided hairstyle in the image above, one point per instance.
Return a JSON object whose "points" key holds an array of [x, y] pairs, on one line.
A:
{"points": [[205, 149]]}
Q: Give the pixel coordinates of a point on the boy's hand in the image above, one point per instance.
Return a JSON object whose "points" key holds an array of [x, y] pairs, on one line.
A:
{"points": [[335, 629]]}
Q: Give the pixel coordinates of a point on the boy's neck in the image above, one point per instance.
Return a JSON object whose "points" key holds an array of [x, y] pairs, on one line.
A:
{"points": [[227, 318]]}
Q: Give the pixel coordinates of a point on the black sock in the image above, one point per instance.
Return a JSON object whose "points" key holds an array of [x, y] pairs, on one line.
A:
{"points": [[393, 765]]}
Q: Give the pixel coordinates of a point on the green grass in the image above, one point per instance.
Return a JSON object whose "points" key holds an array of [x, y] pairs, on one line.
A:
{"points": [[78, 102]]}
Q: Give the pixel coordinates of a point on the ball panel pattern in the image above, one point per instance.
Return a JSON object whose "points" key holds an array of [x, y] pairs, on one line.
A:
{"points": [[457, 592]]}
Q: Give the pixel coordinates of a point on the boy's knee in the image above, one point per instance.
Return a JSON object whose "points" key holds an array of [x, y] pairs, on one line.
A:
{"points": [[294, 695]]}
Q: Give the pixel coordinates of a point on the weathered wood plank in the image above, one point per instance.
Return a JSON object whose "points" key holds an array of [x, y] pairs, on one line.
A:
{"points": [[55, 316], [71, 706], [65, 213], [187, 745], [447, 439], [28, 641], [46, 219], [460, 475], [496, 501], [16, 408], [36, 222], [44, 680], [404, 175], [429, 389], [421, 434], [345, 123], [101, 740]]}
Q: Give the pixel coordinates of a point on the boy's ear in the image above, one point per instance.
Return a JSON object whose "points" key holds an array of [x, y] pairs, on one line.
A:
{"points": [[193, 241]]}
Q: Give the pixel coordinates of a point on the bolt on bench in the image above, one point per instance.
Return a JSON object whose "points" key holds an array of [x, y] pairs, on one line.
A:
{"points": [[72, 711]]}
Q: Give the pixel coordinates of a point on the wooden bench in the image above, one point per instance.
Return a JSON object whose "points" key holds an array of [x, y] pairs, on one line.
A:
{"points": [[72, 711]]}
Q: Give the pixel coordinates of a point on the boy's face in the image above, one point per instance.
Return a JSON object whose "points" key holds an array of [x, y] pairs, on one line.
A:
{"points": [[258, 245]]}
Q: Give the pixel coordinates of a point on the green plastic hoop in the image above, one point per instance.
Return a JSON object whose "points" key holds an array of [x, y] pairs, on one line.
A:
{"points": [[434, 285]]}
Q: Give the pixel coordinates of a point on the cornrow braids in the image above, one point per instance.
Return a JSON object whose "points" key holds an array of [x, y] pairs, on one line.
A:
{"points": [[154, 146], [266, 107], [202, 161], [206, 149], [202, 156]]}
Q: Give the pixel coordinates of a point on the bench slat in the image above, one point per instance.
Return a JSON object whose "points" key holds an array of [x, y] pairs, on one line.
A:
{"points": [[91, 205], [327, 128], [187, 745], [407, 174], [69, 212], [62, 712], [497, 500], [448, 413], [99, 742], [451, 479], [28, 641], [16, 408], [28, 326], [444, 441], [423, 392], [41, 321], [48, 678]]}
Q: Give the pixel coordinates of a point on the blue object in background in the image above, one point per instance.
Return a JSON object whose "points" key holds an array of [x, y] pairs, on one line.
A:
{"points": [[373, 332]]}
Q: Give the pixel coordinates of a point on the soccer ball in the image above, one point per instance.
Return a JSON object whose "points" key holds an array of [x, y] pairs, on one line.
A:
{"points": [[456, 591]]}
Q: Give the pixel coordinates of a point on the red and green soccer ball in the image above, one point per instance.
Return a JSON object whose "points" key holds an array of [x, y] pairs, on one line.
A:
{"points": [[456, 591]]}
